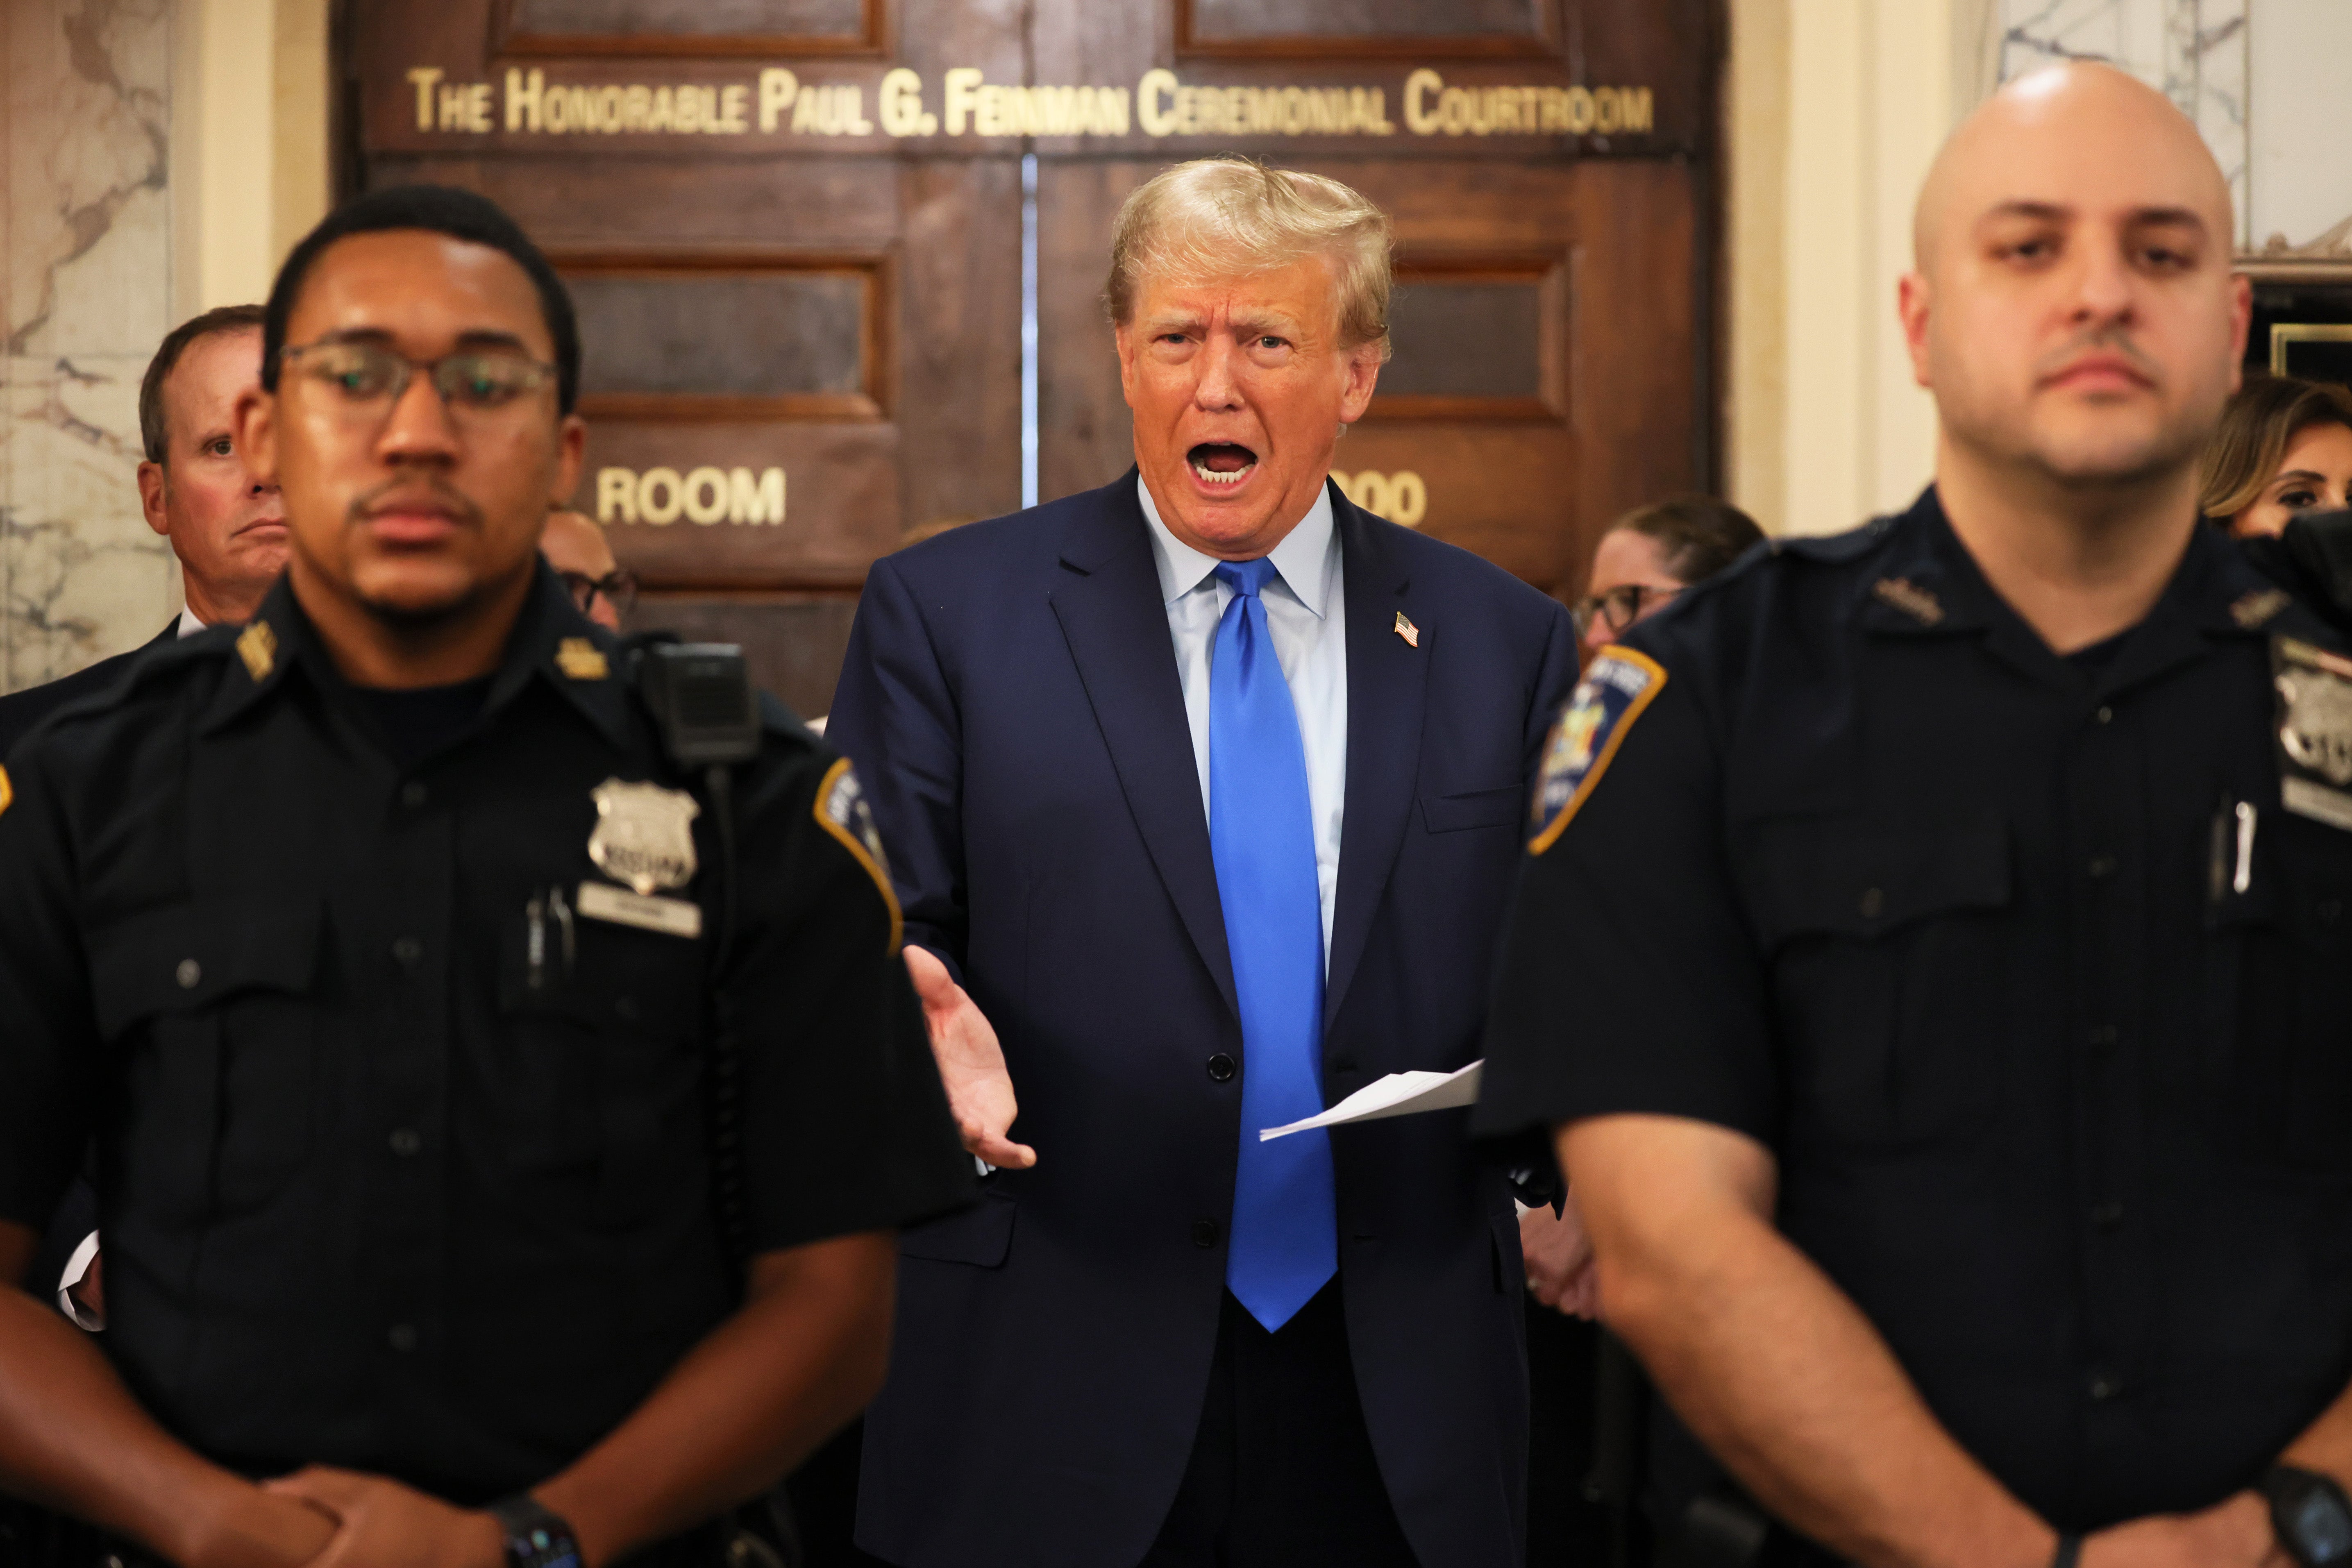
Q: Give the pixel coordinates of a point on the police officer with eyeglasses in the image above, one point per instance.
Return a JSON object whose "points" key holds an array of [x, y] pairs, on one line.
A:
{"points": [[506, 1082]]}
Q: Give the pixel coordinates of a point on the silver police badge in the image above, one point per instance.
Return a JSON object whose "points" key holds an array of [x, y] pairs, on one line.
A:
{"points": [[2315, 730], [644, 835]]}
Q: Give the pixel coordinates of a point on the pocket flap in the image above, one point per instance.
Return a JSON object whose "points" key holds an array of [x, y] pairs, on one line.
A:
{"points": [[1840, 879], [1496, 807], [190, 957], [981, 1234]]}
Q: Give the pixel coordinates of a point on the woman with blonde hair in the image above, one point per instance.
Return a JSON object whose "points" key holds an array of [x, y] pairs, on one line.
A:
{"points": [[2284, 446]]}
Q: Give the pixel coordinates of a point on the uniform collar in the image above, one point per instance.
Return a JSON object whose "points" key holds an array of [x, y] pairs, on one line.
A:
{"points": [[552, 643], [1926, 583], [1303, 558]]}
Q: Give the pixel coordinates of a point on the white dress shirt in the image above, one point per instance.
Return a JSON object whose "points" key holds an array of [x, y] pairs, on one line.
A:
{"points": [[1303, 610], [189, 625]]}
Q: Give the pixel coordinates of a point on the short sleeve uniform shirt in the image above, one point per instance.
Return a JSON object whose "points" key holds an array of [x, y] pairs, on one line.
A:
{"points": [[404, 1155], [2014, 961]]}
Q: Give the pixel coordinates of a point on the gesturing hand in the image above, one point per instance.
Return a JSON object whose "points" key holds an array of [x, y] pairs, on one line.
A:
{"points": [[1560, 1259], [379, 1524], [971, 1064]]}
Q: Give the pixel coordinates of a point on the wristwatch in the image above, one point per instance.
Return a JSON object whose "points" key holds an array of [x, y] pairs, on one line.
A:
{"points": [[2311, 1515], [535, 1537]]}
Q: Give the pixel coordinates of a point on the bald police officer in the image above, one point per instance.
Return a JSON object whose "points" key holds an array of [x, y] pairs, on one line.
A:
{"points": [[373, 943], [1966, 1135]]}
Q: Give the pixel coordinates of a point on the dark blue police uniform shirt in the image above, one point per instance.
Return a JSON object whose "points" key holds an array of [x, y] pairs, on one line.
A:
{"points": [[377, 1189], [1951, 924]]}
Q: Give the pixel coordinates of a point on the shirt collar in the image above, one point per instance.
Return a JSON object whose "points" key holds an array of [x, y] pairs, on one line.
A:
{"points": [[551, 642], [188, 624], [1303, 558]]}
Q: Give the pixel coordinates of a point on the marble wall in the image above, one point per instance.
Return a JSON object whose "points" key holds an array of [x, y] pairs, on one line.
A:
{"points": [[2262, 79], [85, 295]]}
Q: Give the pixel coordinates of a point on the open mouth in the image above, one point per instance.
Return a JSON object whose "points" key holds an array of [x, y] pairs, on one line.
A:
{"points": [[1222, 462]]}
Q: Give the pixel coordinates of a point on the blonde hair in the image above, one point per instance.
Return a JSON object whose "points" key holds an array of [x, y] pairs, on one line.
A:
{"points": [[1228, 216], [2257, 427]]}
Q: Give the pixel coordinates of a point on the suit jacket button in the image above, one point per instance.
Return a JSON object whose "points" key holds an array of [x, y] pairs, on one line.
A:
{"points": [[1204, 1233], [1220, 1067]]}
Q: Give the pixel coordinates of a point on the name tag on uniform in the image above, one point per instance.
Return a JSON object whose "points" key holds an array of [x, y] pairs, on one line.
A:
{"points": [[671, 917], [2315, 730]]}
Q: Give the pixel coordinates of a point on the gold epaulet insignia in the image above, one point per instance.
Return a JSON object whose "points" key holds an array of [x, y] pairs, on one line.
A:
{"points": [[7, 792], [581, 659], [258, 645], [2251, 610], [1908, 598]]}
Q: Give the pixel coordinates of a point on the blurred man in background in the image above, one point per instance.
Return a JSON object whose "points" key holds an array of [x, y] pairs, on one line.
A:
{"points": [[226, 525], [576, 546]]}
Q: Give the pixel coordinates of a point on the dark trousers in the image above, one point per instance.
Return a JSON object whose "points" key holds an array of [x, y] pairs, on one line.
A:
{"points": [[1282, 1473]]}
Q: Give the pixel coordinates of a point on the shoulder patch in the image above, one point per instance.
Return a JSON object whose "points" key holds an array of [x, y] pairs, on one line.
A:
{"points": [[7, 792], [842, 811], [1584, 740]]}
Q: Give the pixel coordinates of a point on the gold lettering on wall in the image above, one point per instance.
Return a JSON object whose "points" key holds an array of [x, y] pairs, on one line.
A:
{"points": [[661, 496], [1402, 497], [780, 103]]}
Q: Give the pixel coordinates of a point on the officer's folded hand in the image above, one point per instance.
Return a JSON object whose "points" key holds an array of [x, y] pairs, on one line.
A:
{"points": [[971, 1064], [1558, 1253], [379, 1524], [2233, 1533]]}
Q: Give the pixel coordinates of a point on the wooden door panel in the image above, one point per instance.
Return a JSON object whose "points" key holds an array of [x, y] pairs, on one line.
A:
{"points": [[838, 493], [804, 335], [793, 642]]}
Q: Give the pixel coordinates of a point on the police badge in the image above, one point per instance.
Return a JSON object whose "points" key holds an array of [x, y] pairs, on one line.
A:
{"points": [[2315, 730], [644, 835]]}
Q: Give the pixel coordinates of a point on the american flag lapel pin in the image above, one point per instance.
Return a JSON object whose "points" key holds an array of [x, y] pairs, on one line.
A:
{"points": [[1407, 630]]}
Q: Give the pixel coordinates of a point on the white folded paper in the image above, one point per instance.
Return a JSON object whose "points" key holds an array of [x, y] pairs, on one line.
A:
{"points": [[1399, 1094]]}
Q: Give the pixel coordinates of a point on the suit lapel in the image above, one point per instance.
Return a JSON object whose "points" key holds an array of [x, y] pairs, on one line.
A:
{"points": [[1387, 680], [1107, 599]]}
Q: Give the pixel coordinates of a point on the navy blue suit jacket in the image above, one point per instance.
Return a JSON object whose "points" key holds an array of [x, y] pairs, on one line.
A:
{"points": [[1011, 698]]}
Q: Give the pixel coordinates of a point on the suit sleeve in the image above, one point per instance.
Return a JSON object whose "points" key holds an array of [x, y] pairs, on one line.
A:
{"points": [[895, 715], [48, 1036], [1554, 678]]}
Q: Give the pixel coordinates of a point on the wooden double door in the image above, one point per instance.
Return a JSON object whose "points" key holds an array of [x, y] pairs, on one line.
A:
{"points": [[805, 239]]}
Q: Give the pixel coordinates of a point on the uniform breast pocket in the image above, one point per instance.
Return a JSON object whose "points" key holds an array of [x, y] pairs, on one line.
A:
{"points": [[2279, 995], [1887, 952], [599, 1086], [212, 1011]]}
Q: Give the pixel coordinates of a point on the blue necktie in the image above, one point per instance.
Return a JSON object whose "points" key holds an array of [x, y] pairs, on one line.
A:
{"points": [[1262, 837]]}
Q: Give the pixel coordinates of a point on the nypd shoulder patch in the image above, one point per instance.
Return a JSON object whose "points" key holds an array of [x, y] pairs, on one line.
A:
{"points": [[1614, 690], [842, 811]]}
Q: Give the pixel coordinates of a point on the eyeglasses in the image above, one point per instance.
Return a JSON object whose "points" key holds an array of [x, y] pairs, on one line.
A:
{"points": [[1621, 606], [368, 379], [618, 588]]}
